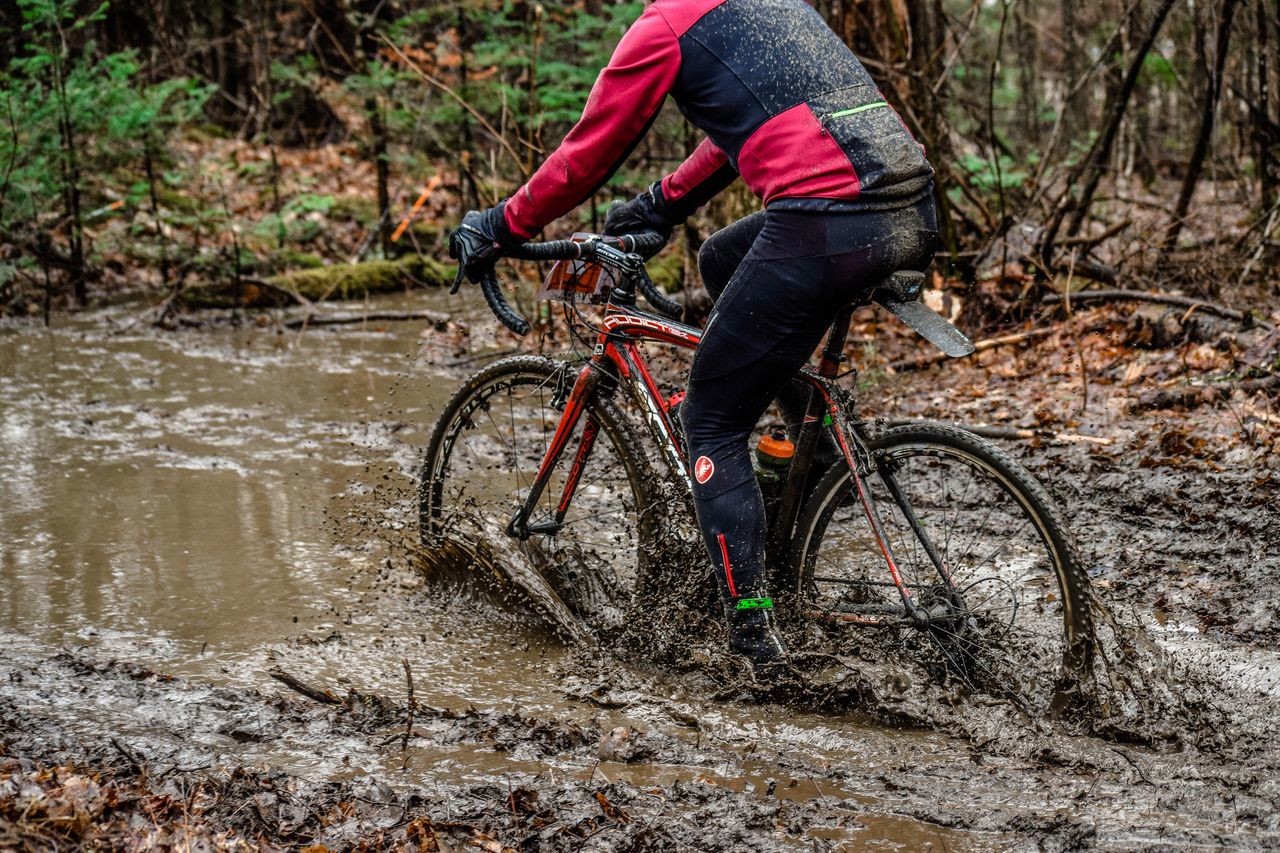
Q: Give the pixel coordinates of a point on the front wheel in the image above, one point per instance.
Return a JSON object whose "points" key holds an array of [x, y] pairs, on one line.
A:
{"points": [[992, 571], [481, 462]]}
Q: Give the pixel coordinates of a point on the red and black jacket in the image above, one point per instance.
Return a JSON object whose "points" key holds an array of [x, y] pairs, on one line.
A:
{"points": [[782, 100]]}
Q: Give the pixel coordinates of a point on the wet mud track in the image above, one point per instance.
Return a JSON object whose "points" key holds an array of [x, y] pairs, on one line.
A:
{"points": [[137, 706]]}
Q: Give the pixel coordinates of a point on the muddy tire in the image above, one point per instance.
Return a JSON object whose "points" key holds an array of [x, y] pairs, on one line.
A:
{"points": [[482, 457], [1021, 625]]}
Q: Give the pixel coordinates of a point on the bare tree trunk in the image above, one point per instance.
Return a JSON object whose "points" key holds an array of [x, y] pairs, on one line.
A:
{"points": [[378, 127], [155, 211], [1074, 102], [1096, 164], [533, 122], [383, 166], [1024, 35], [70, 166], [927, 27], [1266, 183], [1208, 112]]}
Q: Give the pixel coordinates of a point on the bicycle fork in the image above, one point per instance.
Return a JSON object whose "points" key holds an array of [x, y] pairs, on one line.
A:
{"points": [[584, 386]]}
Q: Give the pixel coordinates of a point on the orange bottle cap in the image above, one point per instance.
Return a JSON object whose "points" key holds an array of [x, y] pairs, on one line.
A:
{"points": [[778, 446]]}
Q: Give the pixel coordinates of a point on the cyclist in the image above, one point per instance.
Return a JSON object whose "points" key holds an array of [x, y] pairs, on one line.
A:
{"points": [[847, 196]]}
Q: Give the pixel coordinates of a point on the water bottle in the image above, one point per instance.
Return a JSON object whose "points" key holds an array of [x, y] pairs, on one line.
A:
{"points": [[772, 459]]}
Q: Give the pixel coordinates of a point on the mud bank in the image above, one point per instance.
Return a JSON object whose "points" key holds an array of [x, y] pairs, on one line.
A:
{"points": [[143, 615]]}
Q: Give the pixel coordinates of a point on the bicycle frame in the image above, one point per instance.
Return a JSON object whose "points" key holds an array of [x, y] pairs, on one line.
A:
{"points": [[617, 359]]}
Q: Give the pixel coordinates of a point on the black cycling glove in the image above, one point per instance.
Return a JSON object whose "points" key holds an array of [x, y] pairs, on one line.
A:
{"points": [[480, 240], [648, 211]]}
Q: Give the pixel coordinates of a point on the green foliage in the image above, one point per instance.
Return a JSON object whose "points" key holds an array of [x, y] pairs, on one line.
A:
{"points": [[988, 175], [78, 106], [1156, 68], [301, 218]]}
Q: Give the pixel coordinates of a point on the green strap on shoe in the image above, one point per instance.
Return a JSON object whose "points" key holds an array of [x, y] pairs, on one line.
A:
{"points": [[754, 604]]}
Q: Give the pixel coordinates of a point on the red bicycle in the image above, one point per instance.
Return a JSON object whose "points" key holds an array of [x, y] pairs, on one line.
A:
{"points": [[925, 529]]}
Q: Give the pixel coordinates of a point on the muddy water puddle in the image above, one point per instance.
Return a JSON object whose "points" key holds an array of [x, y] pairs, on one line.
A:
{"points": [[176, 501], [166, 499]]}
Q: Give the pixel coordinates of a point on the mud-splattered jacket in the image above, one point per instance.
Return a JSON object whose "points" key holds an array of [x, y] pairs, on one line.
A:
{"points": [[782, 100]]}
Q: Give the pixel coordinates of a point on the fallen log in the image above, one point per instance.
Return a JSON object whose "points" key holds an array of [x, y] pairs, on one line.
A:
{"points": [[437, 318], [1198, 395], [1158, 298], [339, 281]]}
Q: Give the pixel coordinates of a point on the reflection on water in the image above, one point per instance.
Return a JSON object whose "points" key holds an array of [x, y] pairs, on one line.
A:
{"points": [[175, 486]]}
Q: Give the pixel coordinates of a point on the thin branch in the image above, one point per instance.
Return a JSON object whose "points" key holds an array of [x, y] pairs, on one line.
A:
{"points": [[448, 90], [1159, 299]]}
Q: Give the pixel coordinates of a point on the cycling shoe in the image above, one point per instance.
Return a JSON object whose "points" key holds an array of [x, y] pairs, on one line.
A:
{"points": [[753, 635]]}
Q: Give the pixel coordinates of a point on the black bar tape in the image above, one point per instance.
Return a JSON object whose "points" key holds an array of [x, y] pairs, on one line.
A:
{"points": [[498, 305], [645, 243], [658, 299], [555, 250]]}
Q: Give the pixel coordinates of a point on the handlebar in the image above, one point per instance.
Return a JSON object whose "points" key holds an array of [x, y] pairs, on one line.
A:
{"points": [[645, 243], [616, 249]]}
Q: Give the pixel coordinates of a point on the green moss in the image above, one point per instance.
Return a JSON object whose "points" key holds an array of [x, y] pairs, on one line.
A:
{"points": [[292, 259], [667, 270], [352, 281], [339, 281], [354, 209], [177, 200]]}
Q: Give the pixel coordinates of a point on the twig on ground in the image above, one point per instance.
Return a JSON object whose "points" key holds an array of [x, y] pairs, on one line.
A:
{"points": [[1198, 395], [1089, 241], [408, 726], [921, 362], [1158, 298], [134, 762], [311, 320], [324, 697], [1017, 433]]}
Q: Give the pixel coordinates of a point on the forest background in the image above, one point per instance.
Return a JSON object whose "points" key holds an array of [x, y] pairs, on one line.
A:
{"points": [[196, 151], [1109, 190]]}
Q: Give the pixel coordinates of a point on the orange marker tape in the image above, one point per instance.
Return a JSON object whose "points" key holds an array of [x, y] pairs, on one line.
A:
{"points": [[103, 211], [417, 205]]}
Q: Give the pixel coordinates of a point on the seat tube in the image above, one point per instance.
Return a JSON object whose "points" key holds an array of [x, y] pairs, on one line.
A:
{"points": [[833, 352], [810, 429]]}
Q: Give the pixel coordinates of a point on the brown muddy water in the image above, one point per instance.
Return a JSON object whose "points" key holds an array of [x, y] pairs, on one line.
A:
{"points": [[182, 513]]}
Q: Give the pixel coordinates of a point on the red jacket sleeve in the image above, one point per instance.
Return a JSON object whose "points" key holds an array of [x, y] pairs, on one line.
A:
{"points": [[698, 179], [623, 103]]}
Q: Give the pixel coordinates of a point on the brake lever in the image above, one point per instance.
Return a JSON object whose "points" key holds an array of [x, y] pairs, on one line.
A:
{"points": [[457, 281]]}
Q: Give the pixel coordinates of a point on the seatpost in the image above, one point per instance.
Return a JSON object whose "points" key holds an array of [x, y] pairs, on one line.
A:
{"points": [[833, 352]]}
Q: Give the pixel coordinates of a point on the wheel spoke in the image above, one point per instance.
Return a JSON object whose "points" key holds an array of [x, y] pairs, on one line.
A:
{"points": [[488, 465], [1006, 631]]}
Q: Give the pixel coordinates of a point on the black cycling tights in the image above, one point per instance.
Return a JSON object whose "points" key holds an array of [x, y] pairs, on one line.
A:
{"points": [[778, 280]]}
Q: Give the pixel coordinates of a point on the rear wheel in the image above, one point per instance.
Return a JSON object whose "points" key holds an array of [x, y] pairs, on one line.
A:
{"points": [[1015, 618], [481, 462]]}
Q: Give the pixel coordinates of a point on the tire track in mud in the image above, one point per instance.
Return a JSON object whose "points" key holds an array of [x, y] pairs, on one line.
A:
{"points": [[1170, 753], [289, 772]]}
